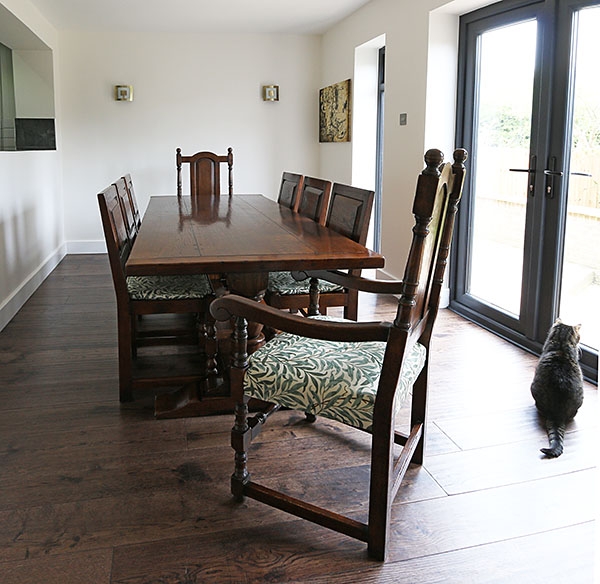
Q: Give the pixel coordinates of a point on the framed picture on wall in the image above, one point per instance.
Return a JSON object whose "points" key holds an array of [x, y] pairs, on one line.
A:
{"points": [[334, 112]]}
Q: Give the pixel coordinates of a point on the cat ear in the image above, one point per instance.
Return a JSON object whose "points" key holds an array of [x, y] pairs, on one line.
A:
{"points": [[577, 327], [558, 321]]}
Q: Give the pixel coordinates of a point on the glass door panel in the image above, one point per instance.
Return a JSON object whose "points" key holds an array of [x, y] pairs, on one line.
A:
{"points": [[580, 289], [503, 110]]}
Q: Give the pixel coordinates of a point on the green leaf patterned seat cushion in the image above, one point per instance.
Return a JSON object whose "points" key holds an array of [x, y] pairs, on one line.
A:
{"points": [[283, 283], [336, 380], [168, 287]]}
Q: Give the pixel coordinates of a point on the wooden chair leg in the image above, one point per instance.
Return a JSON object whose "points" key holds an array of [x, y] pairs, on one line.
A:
{"points": [[125, 340], [134, 320], [240, 430], [313, 307], [351, 309], [241, 434], [382, 464], [418, 412]]}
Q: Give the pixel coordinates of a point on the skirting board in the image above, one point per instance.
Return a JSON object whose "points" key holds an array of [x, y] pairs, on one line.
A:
{"points": [[15, 302], [17, 299]]}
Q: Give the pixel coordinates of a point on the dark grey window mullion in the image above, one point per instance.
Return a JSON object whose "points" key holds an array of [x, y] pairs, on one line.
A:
{"points": [[536, 294]]}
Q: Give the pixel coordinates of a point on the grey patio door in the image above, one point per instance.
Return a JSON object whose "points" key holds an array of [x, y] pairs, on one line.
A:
{"points": [[528, 237]]}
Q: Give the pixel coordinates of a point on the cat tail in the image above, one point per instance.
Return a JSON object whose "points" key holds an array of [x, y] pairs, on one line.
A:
{"points": [[556, 436]]}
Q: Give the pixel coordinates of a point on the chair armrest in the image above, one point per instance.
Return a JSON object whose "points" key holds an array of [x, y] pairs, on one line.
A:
{"points": [[354, 282], [233, 305]]}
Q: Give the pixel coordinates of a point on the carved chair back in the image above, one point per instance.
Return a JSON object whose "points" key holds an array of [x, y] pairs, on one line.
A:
{"points": [[205, 173], [132, 200], [314, 196], [290, 188]]}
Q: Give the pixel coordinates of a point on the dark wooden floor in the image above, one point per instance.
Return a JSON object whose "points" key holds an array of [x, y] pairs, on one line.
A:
{"points": [[94, 492]]}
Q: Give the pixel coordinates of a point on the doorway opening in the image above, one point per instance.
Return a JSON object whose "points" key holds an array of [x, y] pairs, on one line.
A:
{"points": [[367, 127]]}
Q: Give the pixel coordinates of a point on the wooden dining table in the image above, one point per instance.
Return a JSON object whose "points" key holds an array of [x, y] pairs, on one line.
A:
{"points": [[238, 240]]}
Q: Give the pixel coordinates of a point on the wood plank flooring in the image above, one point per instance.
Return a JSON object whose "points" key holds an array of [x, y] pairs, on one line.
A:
{"points": [[95, 492]]}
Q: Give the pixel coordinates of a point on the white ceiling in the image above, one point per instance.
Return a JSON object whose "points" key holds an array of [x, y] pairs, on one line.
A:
{"points": [[252, 16]]}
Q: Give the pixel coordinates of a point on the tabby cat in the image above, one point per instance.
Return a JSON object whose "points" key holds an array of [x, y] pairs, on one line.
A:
{"points": [[557, 386]]}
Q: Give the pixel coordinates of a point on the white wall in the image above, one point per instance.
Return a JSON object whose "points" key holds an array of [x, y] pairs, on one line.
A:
{"points": [[203, 92], [197, 92], [31, 218], [413, 70]]}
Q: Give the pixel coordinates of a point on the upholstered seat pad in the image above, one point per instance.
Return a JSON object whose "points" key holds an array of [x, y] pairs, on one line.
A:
{"points": [[337, 380], [284, 283], [168, 287]]}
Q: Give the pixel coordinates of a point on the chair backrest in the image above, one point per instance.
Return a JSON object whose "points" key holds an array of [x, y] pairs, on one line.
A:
{"points": [[313, 200], [117, 240], [438, 192], [133, 200], [205, 174], [291, 185], [127, 209], [350, 211]]}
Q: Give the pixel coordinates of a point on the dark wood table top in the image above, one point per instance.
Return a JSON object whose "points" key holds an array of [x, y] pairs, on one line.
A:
{"points": [[242, 233]]}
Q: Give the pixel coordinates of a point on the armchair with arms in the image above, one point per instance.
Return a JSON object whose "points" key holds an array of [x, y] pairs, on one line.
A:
{"points": [[357, 373]]}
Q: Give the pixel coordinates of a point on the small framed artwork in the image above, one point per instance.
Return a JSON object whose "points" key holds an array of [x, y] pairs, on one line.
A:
{"points": [[334, 112], [123, 92], [270, 92]]}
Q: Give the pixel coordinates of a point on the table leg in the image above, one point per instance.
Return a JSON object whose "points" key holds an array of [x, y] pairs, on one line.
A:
{"points": [[212, 395], [252, 285]]}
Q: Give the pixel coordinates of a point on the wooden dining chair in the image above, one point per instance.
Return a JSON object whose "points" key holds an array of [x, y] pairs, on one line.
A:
{"points": [[313, 200], [283, 290], [205, 172], [186, 296], [349, 213], [291, 185], [133, 200], [358, 374], [127, 209]]}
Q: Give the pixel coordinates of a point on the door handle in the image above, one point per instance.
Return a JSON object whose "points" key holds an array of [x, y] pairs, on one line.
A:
{"points": [[550, 174], [531, 171]]}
